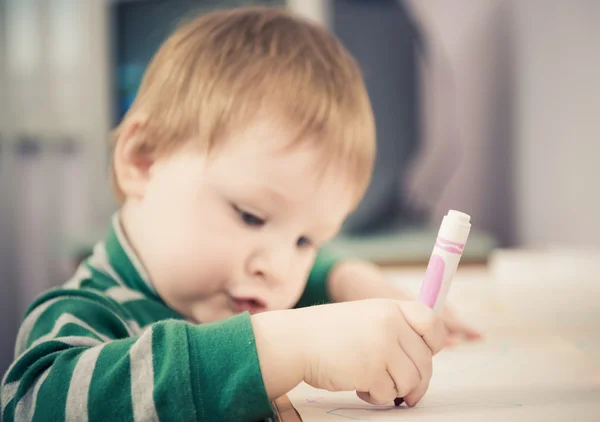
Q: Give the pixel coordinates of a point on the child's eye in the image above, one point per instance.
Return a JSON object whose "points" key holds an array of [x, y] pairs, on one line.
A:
{"points": [[303, 242], [248, 218]]}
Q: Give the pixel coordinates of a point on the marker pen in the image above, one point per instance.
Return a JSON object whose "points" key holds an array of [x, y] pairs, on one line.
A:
{"points": [[443, 263]]}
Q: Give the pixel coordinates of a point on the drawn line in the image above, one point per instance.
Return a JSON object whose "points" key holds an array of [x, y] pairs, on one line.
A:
{"points": [[333, 412], [491, 405]]}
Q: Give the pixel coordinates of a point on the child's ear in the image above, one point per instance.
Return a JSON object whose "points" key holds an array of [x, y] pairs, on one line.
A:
{"points": [[133, 157]]}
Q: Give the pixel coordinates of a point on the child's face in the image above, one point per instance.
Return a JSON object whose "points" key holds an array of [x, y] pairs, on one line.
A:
{"points": [[240, 231]]}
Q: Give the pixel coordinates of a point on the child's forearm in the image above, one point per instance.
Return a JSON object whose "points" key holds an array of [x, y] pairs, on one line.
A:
{"points": [[279, 351], [355, 280], [172, 370]]}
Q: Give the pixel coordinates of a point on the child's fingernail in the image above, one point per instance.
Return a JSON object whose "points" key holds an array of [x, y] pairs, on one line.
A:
{"points": [[398, 401]]}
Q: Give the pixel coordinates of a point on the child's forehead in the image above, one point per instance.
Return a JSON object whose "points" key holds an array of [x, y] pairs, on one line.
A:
{"points": [[276, 173], [267, 144], [281, 175], [271, 151]]}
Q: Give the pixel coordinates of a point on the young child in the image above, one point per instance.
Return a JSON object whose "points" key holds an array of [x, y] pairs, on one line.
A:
{"points": [[250, 140]]}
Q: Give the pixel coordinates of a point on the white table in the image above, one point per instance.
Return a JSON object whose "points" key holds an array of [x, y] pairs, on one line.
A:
{"points": [[540, 359]]}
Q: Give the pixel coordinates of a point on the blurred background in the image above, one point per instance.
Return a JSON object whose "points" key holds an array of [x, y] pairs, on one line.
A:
{"points": [[489, 107]]}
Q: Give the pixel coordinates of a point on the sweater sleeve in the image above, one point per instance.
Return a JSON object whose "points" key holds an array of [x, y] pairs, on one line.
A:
{"points": [[78, 359], [315, 292]]}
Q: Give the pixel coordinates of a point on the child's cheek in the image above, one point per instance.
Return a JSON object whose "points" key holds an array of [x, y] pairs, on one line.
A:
{"points": [[293, 291]]}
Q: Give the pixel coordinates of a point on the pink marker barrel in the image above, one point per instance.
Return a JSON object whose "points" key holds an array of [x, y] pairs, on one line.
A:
{"points": [[444, 260]]}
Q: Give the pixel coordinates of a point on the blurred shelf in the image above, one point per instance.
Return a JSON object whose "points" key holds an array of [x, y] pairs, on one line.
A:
{"points": [[409, 247]]}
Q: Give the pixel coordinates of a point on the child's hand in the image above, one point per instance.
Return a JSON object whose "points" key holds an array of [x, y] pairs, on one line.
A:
{"points": [[382, 348], [356, 279], [456, 329]]}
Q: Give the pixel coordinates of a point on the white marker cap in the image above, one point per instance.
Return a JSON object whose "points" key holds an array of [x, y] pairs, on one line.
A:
{"points": [[455, 227]]}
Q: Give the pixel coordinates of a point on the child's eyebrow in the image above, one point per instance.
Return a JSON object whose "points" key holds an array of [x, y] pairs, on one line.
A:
{"points": [[274, 195]]}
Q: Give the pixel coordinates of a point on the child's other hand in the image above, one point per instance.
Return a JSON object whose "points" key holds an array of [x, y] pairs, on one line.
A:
{"points": [[355, 279], [382, 348], [457, 329]]}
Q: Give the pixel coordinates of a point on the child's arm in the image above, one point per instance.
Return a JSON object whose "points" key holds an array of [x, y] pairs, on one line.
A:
{"points": [[333, 279], [78, 359], [355, 279]]}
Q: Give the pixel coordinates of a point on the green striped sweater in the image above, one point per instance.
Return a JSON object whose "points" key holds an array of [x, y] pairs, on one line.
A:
{"points": [[105, 347]]}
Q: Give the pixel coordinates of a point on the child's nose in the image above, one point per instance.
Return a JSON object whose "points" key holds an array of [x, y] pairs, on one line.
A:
{"points": [[273, 264]]}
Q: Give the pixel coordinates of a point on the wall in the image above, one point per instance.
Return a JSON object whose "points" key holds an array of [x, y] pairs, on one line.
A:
{"points": [[55, 119], [465, 159], [387, 45], [558, 129], [8, 313], [318, 10], [527, 100]]}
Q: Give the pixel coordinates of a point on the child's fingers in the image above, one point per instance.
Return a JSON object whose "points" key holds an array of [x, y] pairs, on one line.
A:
{"points": [[365, 396], [405, 375], [383, 391], [425, 324], [418, 352], [470, 332], [450, 341], [412, 398], [456, 326]]}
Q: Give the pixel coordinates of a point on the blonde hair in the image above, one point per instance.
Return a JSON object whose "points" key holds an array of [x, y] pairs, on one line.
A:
{"points": [[217, 70]]}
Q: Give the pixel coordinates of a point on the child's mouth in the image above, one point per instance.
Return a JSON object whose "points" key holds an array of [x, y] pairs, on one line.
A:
{"points": [[248, 304]]}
